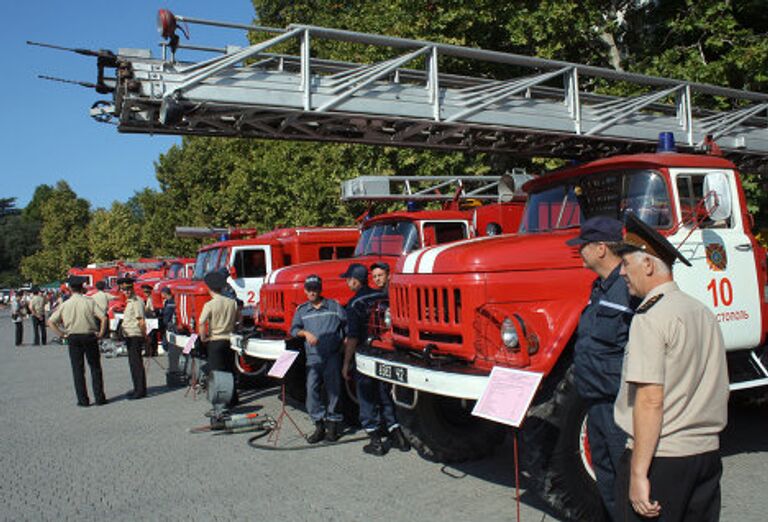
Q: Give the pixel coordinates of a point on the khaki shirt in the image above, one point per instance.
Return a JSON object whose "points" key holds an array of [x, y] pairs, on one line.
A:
{"points": [[37, 305], [78, 315], [676, 342], [221, 315], [134, 311], [102, 300]]}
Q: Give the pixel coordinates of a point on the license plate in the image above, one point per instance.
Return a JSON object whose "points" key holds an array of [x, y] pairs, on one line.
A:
{"points": [[392, 372]]}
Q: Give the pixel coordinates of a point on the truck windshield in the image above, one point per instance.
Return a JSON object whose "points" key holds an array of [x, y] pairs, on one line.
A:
{"points": [[206, 262], [393, 238], [175, 271], [612, 193]]}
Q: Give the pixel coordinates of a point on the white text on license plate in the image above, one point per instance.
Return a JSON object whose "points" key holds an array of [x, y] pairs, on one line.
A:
{"points": [[391, 372]]}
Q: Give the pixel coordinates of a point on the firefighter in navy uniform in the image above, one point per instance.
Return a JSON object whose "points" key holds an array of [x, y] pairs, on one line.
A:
{"points": [[599, 351], [377, 410], [82, 322], [134, 331], [321, 322]]}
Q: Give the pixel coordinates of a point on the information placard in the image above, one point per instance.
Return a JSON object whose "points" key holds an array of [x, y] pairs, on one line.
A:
{"points": [[507, 396], [283, 364], [190, 344]]}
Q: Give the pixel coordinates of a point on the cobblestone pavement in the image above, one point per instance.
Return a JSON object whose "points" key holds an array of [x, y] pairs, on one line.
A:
{"points": [[137, 460]]}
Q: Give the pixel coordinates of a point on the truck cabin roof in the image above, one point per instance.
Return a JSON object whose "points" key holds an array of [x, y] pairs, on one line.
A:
{"points": [[647, 161]]}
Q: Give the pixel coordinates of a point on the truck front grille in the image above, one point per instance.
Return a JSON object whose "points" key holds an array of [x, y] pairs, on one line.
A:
{"points": [[274, 305], [432, 304]]}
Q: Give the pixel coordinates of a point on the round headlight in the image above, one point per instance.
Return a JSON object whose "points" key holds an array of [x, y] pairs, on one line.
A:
{"points": [[509, 333], [387, 318]]}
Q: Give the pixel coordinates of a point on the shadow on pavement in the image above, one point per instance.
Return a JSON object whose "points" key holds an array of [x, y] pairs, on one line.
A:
{"points": [[499, 468], [747, 426]]}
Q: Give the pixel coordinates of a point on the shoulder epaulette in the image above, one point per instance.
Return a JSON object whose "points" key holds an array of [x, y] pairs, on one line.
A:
{"points": [[649, 304]]}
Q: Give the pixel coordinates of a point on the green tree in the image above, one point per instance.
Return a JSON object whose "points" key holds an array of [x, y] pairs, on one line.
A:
{"points": [[63, 235], [114, 234]]}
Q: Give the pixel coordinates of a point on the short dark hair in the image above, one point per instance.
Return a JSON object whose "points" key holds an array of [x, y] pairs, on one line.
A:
{"points": [[100, 285], [380, 265]]}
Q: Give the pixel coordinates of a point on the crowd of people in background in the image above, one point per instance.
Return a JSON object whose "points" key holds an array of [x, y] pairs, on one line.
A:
{"points": [[32, 306]]}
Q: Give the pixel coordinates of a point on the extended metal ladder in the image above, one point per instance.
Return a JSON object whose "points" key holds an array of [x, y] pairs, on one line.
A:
{"points": [[542, 108], [436, 188]]}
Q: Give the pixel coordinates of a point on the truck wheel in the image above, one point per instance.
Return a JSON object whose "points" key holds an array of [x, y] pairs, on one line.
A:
{"points": [[442, 429], [556, 454]]}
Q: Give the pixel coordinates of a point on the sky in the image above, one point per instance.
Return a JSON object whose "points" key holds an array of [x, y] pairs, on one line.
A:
{"points": [[46, 133]]}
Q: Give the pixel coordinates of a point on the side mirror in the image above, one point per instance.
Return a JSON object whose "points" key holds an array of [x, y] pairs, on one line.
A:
{"points": [[717, 196], [233, 272]]}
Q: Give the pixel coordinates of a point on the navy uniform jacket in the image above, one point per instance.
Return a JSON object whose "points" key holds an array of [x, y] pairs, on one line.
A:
{"points": [[601, 337], [166, 315], [358, 312], [327, 323]]}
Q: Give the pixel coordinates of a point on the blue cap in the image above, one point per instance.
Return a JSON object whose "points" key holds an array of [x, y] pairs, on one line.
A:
{"points": [[599, 228], [313, 283], [357, 271]]}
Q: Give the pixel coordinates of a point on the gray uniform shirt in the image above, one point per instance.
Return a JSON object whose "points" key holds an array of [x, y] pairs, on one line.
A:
{"points": [[327, 322]]}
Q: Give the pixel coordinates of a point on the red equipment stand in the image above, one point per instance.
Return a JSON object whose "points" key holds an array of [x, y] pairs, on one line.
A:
{"points": [[192, 381], [517, 475], [275, 435]]}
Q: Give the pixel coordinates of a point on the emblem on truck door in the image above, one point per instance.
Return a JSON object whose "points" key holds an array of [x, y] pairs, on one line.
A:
{"points": [[716, 257]]}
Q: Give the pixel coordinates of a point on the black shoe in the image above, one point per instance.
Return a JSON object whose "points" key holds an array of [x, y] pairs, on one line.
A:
{"points": [[132, 396], [318, 434], [83, 404], [398, 440], [333, 432], [102, 402], [375, 446]]}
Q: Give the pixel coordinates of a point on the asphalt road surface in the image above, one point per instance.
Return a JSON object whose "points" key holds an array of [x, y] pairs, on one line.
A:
{"points": [[138, 460]]}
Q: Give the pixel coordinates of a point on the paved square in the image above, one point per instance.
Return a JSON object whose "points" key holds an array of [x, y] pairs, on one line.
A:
{"points": [[137, 460]]}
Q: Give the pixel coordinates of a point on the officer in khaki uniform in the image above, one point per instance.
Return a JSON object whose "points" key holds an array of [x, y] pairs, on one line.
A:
{"points": [[80, 321], [134, 332], [216, 325], [37, 310], [101, 297], [674, 391]]}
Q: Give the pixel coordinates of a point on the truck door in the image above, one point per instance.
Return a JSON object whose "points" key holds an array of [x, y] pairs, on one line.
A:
{"points": [[724, 274], [251, 263]]}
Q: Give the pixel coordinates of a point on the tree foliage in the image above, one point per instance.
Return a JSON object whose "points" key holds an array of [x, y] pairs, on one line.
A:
{"points": [[63, 236]]}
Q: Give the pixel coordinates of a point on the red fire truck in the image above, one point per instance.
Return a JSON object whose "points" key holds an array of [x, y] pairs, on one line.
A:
{"points": [[386, 237], [515, 301], [248, 257], [96, 272]]}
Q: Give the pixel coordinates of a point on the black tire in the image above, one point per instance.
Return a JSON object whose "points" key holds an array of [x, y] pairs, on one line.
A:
{"points": [[553, 457], [442, 429]]}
